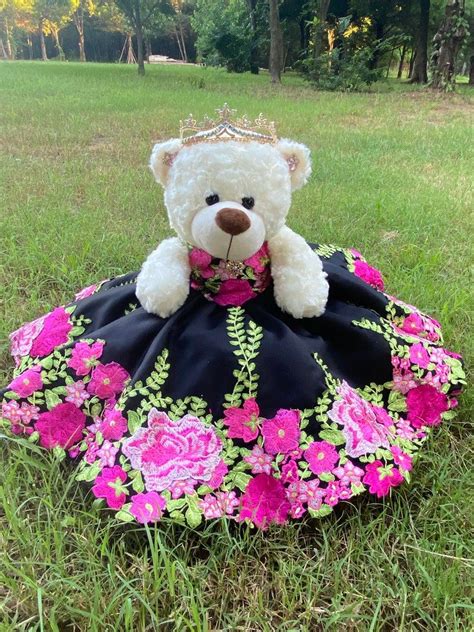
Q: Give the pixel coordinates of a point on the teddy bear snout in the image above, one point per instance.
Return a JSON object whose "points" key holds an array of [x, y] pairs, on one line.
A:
{"points": [[232, 221]]}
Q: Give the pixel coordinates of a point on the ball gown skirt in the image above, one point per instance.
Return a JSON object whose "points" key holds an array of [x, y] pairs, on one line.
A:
{"points": [[230, 407]]}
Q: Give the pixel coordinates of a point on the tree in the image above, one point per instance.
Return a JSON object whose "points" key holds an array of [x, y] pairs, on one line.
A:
{"points": [[80, 9], [276, 43], [447, 43], [420, 73]]}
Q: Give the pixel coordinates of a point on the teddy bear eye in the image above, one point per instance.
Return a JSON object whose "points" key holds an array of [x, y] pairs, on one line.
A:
{"points": [[248, 202], [212, 199]]}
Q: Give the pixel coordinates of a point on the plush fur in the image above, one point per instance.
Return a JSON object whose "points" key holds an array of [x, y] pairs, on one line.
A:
{"points": [[233, 171]]}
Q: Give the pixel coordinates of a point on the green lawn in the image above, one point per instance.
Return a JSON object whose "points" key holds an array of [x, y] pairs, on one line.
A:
{"points": [[393, 177]]}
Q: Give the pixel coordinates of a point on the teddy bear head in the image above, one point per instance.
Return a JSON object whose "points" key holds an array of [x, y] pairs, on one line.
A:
{"points": [[229, 196]]}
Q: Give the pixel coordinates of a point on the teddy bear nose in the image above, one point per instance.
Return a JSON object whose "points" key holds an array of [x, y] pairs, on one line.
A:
{"points": [[232, 221]]}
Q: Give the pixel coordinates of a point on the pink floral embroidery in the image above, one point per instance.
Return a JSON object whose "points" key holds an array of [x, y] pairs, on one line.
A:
{"points": [[200, 260], [425, 406], [380, 478], [315, 494], [289, 472], [259, 460], [113, 425], [27, 383], [87, 291], [76, 393], [223, 503], [349, 473], [321, 456], [368, 274], [403, 377], [11, 411], [264, 501], [147, 507], [109, 485], [218, 475], [401, 458], [243, 422], [336, 491], [282, 433], [419, 355], [54, 333], [107, 380], [107, 453], [168, 451], [405, 430], [413, 324], [85, 356], [260, 260], [233, 292], [23, 338], [62, 426], [29, 413], [363, 433], [180, 488]]}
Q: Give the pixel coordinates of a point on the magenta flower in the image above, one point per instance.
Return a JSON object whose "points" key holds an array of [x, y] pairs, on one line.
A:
{"points": [[315, 494], [11, 411], [380, 478], [425, 406], [289, 472], [260, 260], [228, 502], [107, 380], [361, 428], [264, 501], [368, 274], [147, 507], [113, 425], [282, 433], [76, 393], [22, 339], [336, 491], [27, 383], [218, 476], [62, 426], [419, 355], [28, 413], [211, 507], [180, 488], [168, 451], [321, 456], [260, 461], [413, 324], [401, 458], [85, 356], [349, 473], [243, 422], [107, 453], [233, 292], [200, 261], [110, 485], [54, 333]]}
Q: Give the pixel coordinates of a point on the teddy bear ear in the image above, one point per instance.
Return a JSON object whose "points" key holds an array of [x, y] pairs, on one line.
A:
{"points": [[298, 159], [162, 157]]}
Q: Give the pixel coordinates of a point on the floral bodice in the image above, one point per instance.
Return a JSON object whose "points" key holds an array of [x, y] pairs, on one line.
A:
{"points": [[230, 283]]}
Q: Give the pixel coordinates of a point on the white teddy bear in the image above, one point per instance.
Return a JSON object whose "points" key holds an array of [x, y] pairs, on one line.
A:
{"points": [[227, 192]]}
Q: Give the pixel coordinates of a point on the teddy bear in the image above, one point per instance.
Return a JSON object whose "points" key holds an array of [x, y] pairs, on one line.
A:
{"points": [[239, 198]]}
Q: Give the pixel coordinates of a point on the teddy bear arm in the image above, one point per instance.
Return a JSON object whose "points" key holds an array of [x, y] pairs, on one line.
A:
{"points": [[300, 284], [163, 282]]}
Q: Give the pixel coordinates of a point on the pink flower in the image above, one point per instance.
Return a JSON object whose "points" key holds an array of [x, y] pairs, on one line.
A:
{"points": [[218, 475], [363, 432], [419, 355], [211, 507], [233, 292], [315, 494], [76, 393], [107, 453], [321, 456], [282, 433], [289, 472], [107, 380], [243, 422], [413, 324], [180, 488], [84, 293], [109, 485], [382, 416], [260, 260], [336, 491], [405, 429], [425, 405], [85, 356], [168, 451], [349, 473], [11, 411], [228, 502], [368, 274], [401, 458], [264, 501], [147, 507], [380, 478], [201, 260], [62, 426], [28, 413], [27, 383], [22, 339], [113, 426], [54, 333], [259, 460]]}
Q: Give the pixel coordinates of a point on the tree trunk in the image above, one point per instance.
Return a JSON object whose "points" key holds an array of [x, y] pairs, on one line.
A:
{"points": [[8, 36], [379, 35], [30, 47], [402, 61], [420, 68], [3, 52], [446, 45], [147, 49], [412, 62], [320, 36], [178, 40], [276, 43], [78, 19], [44, 54], [389, 64], [471, 71], [183, 41], [139, 36], [252, 4], [55, 34]]}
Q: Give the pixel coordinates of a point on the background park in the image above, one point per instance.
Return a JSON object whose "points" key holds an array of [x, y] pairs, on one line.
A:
{"points": [[390, 129]]}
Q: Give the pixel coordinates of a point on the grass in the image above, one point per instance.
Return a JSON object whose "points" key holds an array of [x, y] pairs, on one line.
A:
{"points": [[393, 177]]}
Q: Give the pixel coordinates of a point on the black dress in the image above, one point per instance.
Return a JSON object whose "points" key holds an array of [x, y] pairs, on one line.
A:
{"points": [[230, 407]]}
